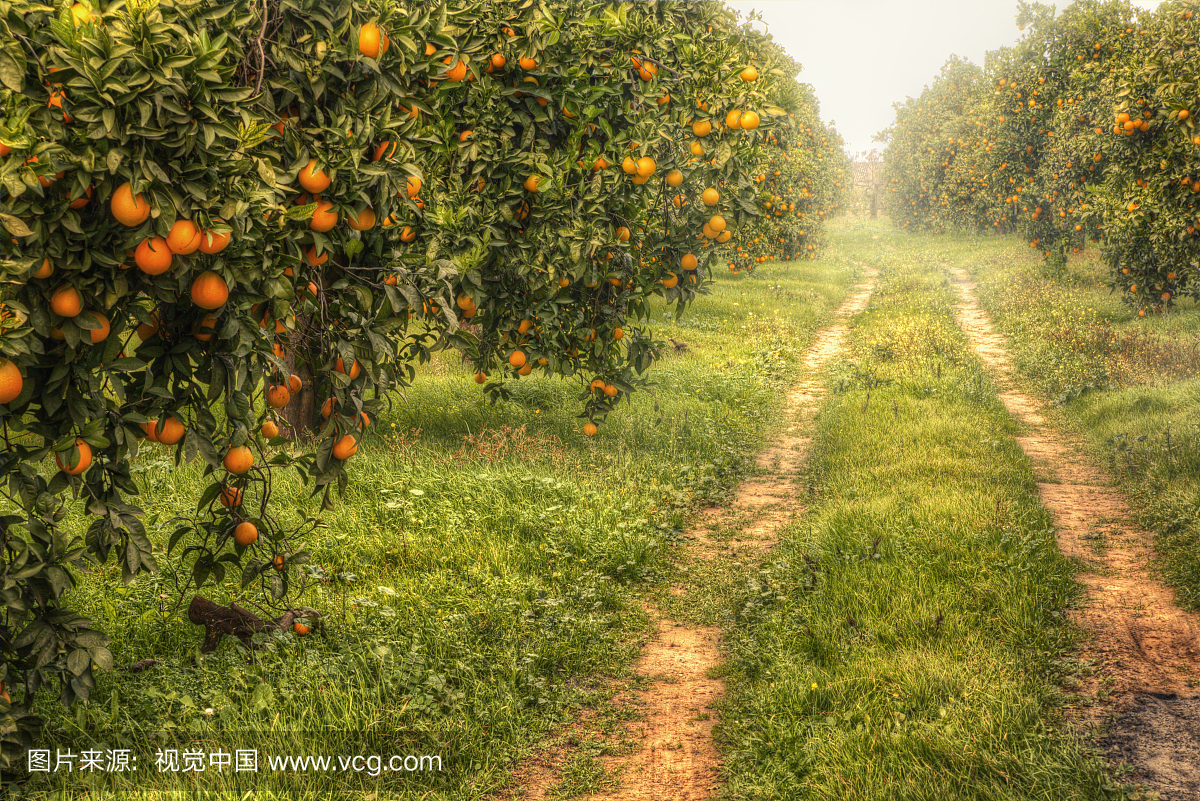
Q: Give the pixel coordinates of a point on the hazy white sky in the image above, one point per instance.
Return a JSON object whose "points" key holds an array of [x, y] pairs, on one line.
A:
{"points": [[863, 55]]}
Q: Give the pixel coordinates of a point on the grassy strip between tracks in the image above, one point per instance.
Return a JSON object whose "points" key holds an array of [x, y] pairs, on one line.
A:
{"points": [[479, 579], [1129, 386], [906, 638]]}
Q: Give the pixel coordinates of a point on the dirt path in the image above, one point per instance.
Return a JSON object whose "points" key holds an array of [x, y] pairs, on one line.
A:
{"points": [[674, 756], [1146, 648]]}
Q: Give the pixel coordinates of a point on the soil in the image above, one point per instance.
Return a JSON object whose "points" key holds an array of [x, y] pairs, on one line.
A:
{"points": [[1147, 649], [675, 756]]}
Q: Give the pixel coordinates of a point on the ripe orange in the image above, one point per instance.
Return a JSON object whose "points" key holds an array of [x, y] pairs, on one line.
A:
{"points": [[100, 334], [153, 255], [717, 223], [414, 186], [750, 120], [457, 72], [498, 62], [312, 179], [481, 378], [702, 128], [517, 359], [527, 63], [170, 432], [184, 238], [674, 178], [80, 202], [623, 234], [618, 333], [670, 283], [300, 629], [363, 221], [696, 149], [11, 381], [369, 41], [269, 430], [710, 196], [278, 396], [645, 167], [324, 218], [209, 290], [211, 242], [531, 183], [66, 302], [77, 462], [589, 429], [750, 74], [688, 262], [313, 259], [46, 270], [346, 447], [327, 408], [231, 497], [246, 534], [610, 391], [355, 369], [239, 460], [295, 384], [129, 210]]}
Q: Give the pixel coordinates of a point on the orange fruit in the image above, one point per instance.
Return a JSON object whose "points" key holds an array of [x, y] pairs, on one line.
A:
{"points": [[153, 255], [517, 359], [623, 234], [212, 242], [645, 167], [457, 72], [750, 74], [100, 334], [327, 408], [618, 333], [231, 497], [295, 384], [129, 210], [370, 40], [696, 149], [312, 179], [670, 282], [324, 218], [269, 430], [346, 447], [385, 151], [239, 460], [300, 629], [750, 120], [710, 196], [313, 259], [246, 534], [688, 262], [82, 201], [278, 396], [527, 63], [733, 119], [414, 186], [170, 432], [209, 290], [77, 463], [46, 270], [717, 223], [702, 128], [151, 430], [590, 430], [531, 183], [66, 302], [674, 178], [355, 369], [11, 381], [363, 221], [184, 238], [480, 378]]}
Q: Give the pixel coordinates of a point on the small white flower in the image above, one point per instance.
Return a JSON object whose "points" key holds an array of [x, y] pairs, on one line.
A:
{"points": [[208, 710]]}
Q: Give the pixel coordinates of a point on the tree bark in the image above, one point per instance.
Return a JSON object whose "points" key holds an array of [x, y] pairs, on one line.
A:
{"points": [[300, 415], [234, 620]]}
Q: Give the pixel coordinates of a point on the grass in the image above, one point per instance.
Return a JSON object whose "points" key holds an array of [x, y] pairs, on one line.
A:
{"points": [[907, 638], [479, 582], [1129, 386]]}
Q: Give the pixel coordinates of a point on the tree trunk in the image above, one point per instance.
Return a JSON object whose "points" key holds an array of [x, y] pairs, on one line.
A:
{"points": [[300, 415], [874, 206]]}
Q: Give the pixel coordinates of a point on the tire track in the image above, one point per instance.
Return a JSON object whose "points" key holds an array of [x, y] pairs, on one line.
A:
{"points": [[1148, 649], [675, 757]]}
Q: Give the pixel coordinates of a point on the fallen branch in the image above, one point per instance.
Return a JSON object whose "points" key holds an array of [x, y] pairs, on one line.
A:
{"points": [[234, 620]]}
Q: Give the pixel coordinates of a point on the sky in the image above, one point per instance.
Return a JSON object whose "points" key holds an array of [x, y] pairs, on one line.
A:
{"points": [[861, 56]]}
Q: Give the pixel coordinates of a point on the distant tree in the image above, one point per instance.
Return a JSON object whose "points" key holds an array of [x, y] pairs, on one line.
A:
{"points": [[868, 171]]}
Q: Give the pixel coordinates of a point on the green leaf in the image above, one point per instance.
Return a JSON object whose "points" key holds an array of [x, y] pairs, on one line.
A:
{"points": [[15, 225], [12, 66]]}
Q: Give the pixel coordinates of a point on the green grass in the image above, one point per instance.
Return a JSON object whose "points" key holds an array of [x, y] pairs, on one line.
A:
{"points": [[479, 581], [1129, 386], [907, 639]]}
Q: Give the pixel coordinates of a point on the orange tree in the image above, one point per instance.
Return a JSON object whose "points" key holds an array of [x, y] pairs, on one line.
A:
{"points": [[1085, 130], [227, 215], [803, 179]]}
